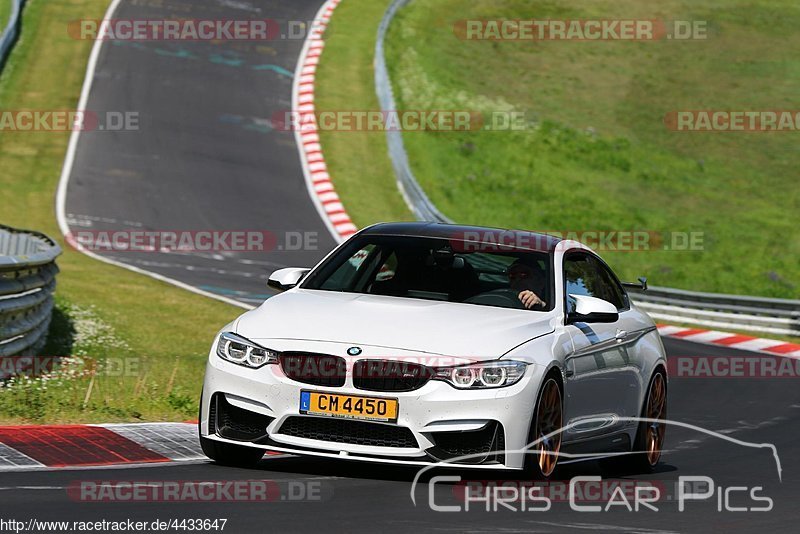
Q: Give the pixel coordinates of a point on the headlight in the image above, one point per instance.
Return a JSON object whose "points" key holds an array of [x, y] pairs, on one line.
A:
{"points": [[482, 375], [241, 351]]}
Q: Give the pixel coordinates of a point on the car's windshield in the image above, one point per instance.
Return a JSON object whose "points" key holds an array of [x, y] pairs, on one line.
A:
{"points": [[438, 269]]}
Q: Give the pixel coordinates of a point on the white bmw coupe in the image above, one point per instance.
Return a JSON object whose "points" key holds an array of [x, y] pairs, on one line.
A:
{"points": [[421, 343]]}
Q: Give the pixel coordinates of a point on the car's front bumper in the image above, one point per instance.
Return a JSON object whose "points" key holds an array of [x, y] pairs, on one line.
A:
{"points": [[434, 413]]}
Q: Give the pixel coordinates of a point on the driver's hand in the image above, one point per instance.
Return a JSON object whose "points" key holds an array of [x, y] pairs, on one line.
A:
{"points": [[530, 299]]}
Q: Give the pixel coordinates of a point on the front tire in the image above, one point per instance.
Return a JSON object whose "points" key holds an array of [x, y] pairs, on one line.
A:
{"points": [[542, 458], [226, 453], [229, 454]]}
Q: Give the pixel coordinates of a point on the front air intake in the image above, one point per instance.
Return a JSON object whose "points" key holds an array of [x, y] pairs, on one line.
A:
{"points": [[349, 432], [485, 445], [236, 423]]}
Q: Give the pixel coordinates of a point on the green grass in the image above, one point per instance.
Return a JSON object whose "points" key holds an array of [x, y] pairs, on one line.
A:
{"points": [[601, 158], [597, 155], [5, 13], [157, 333], [357, 161]]}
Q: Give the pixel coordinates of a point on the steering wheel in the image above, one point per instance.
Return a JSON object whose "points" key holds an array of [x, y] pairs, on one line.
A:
{"points": [[504, 297]]}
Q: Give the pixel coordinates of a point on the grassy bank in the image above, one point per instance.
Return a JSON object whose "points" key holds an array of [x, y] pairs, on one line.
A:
{"points": [[357, 161], [139, 345], [5, 13], [598, 156], [595, 154]]}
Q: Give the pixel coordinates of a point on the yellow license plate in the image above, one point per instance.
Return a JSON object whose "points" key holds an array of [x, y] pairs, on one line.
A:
{"points": [[350, 406]]}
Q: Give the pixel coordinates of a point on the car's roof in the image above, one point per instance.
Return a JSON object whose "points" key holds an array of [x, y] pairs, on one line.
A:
{"points": [[512, 238]]}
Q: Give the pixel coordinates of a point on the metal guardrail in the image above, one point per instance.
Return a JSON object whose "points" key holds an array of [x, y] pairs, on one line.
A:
{"points": [[415, 197], [774, 316], [738, 312], [11, 31], [27, 282]]}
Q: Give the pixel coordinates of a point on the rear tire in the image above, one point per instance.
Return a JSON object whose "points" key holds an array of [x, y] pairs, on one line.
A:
{"points": [[541, 459]]}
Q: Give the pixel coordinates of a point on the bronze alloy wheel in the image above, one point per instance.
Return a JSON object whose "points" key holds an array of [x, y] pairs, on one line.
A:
{"points": [[548, 420], [656, 409]]}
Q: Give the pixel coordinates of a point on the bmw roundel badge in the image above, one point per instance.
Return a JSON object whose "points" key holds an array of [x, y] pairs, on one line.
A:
{"points": [[354, 351]]}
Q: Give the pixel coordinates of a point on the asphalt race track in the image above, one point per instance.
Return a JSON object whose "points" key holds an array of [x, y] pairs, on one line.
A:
{"points": [[205, 157]]}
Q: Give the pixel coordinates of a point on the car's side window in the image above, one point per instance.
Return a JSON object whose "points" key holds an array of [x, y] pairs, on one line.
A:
{"points": [[615, 294], [584, 275]]}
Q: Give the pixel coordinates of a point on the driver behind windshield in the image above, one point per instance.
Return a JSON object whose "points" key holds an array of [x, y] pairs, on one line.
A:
{"points": [[528, 278]]}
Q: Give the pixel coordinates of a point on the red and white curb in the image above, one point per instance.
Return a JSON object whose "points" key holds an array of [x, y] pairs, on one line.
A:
{"points": [[734, 341], [318, 181], [33, 447], [59, 446]]}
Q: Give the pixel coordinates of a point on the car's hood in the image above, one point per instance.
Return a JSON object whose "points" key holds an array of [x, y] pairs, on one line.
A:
{"points": [[444, 328]]}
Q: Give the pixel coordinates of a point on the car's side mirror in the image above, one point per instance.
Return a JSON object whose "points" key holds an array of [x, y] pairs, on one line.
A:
{"points": [[641, 286], [284, 279], [592, 310]]}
